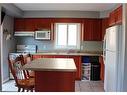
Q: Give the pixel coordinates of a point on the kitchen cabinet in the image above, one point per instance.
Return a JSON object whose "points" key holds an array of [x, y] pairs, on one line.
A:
{"points": [[23, 24], [19, 24], [88, 28], [60, 56], [29, 24], [92, 30], [119, 15], [115, 17], [102, 68], [36, 56], [33, 24], [47, 56], [112, 16], [43, 23], [97, 31], [77, 60], [105, 25]]}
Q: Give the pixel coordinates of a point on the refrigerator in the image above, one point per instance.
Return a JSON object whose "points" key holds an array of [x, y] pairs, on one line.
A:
{"points": [[112, 46]]}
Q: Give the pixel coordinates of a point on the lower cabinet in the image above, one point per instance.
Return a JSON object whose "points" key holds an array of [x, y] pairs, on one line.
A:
{"points": [[60, 56], [47, 56], [36, 56], [77, 60]]}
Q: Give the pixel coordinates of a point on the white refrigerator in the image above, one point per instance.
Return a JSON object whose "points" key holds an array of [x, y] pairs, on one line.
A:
{"points": [[112, 47]]}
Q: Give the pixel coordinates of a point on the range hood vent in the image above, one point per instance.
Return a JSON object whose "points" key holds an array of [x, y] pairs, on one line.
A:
{"points": [[24, 33]]}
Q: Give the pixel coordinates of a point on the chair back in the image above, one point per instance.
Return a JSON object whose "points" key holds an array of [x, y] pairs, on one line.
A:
{"points": [[26, 59], [17, 71]]}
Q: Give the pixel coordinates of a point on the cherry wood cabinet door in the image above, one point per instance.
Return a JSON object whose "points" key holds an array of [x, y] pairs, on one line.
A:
{"points": [[105, 25], [116, 16], [88, 28], [112, 17], [19, 24], [119, 15], [43, 23], [77, 60], [29, 24], [97, 30], [92, 30], [102, 68]]}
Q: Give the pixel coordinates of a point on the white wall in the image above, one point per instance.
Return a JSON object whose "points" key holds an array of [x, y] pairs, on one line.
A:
{"points": [[61, 14], [104, 14], [7, 45], [9, 25]]}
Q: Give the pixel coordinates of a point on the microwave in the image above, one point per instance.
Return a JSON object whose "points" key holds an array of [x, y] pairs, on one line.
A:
{"points": [[42, 35]]}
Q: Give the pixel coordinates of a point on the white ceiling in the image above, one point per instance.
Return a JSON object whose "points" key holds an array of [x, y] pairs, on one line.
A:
{"points": [[65, 6]]}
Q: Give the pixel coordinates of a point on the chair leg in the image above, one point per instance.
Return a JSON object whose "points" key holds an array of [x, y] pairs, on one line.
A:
{"points": [[19, 89], [23, 89], [31, 90], [27, 90]]}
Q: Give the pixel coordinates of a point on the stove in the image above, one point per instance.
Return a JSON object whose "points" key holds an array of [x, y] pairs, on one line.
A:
{"points": [[26, 48]]}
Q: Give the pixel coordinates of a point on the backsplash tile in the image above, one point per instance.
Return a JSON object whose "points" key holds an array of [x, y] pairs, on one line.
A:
{"points": [[49, 45], [92, 46]]}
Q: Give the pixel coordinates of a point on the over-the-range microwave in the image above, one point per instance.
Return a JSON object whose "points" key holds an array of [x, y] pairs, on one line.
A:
{"points": [[43, 34]]}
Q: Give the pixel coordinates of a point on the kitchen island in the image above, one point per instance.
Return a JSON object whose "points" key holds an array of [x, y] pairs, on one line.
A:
{"points": [[53, 74]]}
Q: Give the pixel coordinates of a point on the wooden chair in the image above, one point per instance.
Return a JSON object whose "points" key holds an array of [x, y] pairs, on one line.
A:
{"points": [[27, 60], [20, 76]]}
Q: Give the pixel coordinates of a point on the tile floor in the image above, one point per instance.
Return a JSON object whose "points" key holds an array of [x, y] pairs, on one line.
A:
{"points": [[80, 86]]}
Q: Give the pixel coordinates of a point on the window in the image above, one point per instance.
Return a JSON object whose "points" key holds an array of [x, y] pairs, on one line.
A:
{"points": [[67, 35]]}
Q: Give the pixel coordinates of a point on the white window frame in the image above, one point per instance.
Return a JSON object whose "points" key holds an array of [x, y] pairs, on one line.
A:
{"points": [[77, 47]]}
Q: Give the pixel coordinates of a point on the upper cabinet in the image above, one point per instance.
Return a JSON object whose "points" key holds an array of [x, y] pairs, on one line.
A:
{"points": [[19, 24], [119, 15], [105, 24], [112, 18], [31, 24], [92, 30], [43, 23], [115, 17]]}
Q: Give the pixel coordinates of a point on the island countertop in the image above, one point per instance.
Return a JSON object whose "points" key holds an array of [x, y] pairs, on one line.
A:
{"points": [[51, 64]]}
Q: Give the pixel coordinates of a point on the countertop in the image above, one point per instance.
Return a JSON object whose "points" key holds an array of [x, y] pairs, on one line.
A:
{"points": [[51, 64], [66, 53]]}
